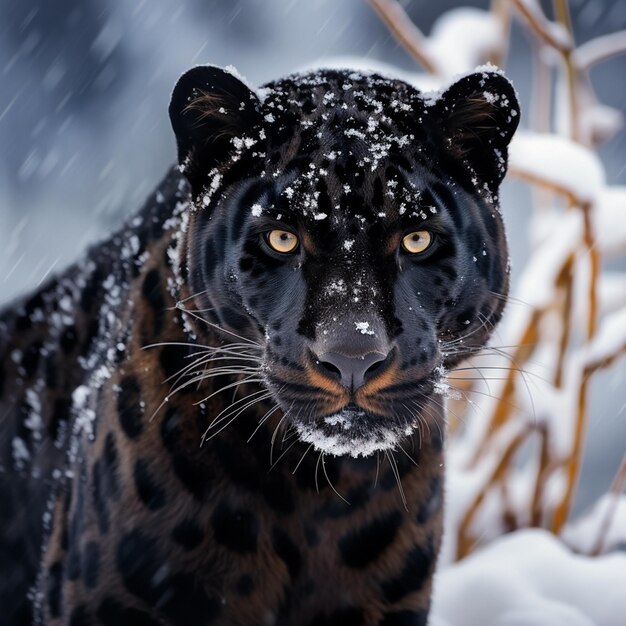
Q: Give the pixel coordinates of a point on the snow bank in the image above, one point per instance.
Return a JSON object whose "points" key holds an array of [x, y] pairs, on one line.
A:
{"points": [[610, 220], [606, 519], [612, 292], [611, 336], [463, 38], [529, 578], [559, 162]]}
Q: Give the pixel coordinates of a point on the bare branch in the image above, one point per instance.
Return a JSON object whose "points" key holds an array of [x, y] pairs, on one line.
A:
{"points": [[504, 406], [599, 49], [406, 32], [565, 21], [564, 287], [572, 467], [617, 487], [594, 275], [608, 359], [464, 543], [502, 12], [536, 511], [552, 34], [545, 183]]}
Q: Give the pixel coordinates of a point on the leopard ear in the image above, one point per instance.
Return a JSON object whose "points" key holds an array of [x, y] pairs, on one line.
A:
{"points": [[479, 115], [209, 108]]}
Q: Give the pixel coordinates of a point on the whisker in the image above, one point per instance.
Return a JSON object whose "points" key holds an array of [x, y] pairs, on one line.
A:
{"points": [[206, 310], [232, 419], [301, 459], [199, 346], [283, 453], [523, 374], [418, 417], [511, 299], [377, 468], [486, 395], [317, 487], [396, 473], [462, 338], [193, 295], [193, 370], [218, 327], [263, 420], [229, 386], [247, 400], [328, 479], [203, 359], [408, 456], [478, 368], [204, 376], [282, 419], [173, 392]]}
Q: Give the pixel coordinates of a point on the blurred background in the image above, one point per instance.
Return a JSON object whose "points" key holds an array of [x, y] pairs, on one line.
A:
{"points": [[84, 133]]}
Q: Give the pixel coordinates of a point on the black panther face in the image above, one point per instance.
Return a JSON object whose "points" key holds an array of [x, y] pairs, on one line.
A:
{"points": [[350, 225]]}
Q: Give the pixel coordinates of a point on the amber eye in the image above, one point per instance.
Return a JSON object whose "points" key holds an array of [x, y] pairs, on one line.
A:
{"points": [[417, 241], [282, 241]]}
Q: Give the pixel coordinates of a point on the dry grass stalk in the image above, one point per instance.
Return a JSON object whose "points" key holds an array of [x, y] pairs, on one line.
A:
{"points": [[465, 540], [617, 487], [595, 262], [543, 28], [505, 404], [564, 286], [573, 463], [405, 31], [545, 184], [502, 11], [599, 49], [565, 20], [536, 508]]}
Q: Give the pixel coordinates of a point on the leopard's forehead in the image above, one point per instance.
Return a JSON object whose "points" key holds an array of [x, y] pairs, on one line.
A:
{"points": [[314, 94], [375, 118], [341, 145]]}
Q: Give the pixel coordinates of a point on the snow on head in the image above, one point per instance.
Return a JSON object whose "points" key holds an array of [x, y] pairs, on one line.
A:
{"points": [[364, 328], [233, 71]]}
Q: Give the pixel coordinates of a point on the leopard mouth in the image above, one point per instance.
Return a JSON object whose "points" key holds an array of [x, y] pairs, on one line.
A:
{"points": [[334, 421], [354, 432]]}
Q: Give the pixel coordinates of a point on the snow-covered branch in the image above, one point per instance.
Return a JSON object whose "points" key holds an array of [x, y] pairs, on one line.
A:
{"points": [[599, 49], [550, 33], [405, 31]]}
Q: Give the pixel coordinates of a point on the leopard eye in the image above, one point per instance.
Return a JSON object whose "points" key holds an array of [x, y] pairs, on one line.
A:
{"points": [[417, 242], [282, 241]]}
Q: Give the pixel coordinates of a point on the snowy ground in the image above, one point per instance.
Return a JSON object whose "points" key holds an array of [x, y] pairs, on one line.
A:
{"points": [[529, 578]]}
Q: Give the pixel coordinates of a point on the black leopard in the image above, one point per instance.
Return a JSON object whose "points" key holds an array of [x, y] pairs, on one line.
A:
{"points": [[230, 411]]}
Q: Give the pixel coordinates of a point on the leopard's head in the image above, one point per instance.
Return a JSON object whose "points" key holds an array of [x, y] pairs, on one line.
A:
{"points": [[349, 224]]}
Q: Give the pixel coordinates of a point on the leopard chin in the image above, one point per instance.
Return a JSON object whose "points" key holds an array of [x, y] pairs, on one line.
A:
{"points": [[354, 432]]}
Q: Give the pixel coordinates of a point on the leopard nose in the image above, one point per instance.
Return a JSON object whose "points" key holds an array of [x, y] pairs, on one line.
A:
{"points": [[352, 371]]}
